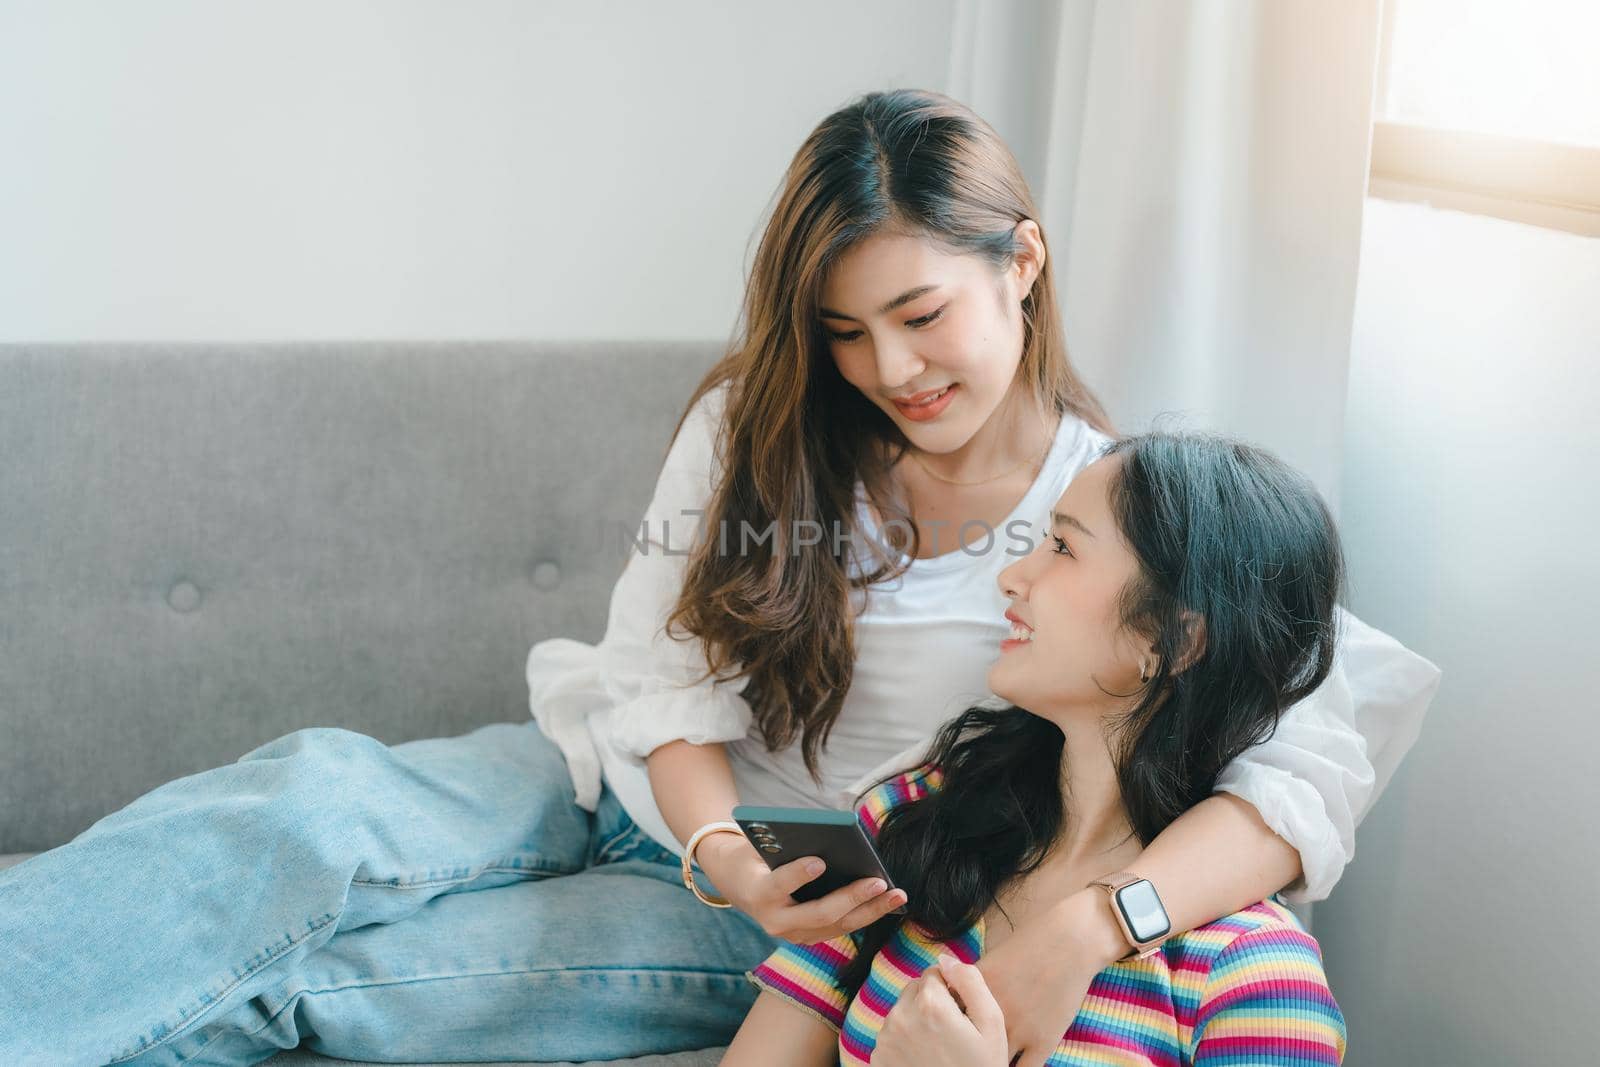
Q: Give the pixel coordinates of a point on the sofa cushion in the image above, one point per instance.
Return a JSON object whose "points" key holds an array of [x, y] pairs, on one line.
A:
{"points": [[207, 546]]}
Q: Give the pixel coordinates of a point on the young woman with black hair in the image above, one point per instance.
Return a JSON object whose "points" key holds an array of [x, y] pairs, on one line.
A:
{"points": [[1185, 598]]}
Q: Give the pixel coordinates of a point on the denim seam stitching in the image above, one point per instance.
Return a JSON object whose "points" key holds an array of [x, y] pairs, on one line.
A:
{"points": [[534, 871], [486, 974], [611, 842], [205, 1009], [447, 977]]}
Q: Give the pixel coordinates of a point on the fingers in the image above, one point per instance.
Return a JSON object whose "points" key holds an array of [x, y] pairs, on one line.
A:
{"points": [[796, 873], [935, 1001], [873, 910], [981, 1007], [827, 913]]}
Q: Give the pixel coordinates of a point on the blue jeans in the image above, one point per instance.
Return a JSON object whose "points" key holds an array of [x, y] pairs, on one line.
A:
{"points": [[441, 899]]}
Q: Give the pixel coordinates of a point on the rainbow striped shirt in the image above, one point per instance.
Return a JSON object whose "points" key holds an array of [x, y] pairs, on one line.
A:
{"points": [[1246, 989]]}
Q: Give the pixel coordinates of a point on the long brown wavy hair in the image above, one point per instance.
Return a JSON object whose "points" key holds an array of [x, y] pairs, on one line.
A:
{"points": [[795, 436]]}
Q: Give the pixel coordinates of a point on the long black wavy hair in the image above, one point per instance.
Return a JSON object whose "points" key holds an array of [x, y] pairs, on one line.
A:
{"points": [[1219, 528]]}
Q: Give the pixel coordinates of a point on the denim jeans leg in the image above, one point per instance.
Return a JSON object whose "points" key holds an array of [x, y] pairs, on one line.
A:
{"points": [[205, 891], [618, 960]]}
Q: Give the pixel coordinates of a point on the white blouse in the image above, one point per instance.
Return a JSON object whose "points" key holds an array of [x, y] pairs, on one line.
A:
{"points": [[924, 645]]}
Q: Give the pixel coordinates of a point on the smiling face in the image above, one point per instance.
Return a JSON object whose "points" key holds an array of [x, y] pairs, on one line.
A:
{"points": [[1070, 654], [907, 320]]}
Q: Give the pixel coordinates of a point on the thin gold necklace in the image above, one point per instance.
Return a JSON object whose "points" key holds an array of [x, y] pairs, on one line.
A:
{"points": [[992, 477]]}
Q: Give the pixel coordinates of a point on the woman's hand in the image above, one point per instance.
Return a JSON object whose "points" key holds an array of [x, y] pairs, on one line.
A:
{"points": [[761, 892], [1041, 973], [927, 1027]]}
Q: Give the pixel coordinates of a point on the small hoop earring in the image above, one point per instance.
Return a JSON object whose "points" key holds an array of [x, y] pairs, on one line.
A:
{"points": [[1144, 674]]}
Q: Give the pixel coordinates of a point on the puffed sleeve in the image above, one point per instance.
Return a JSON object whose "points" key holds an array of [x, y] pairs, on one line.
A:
{"points": [[809, 976], [649, 677], [1333, 753], [1266, 1001]]}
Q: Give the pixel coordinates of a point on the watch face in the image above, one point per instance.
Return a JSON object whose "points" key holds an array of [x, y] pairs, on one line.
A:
{"points": [[1142, 909]]}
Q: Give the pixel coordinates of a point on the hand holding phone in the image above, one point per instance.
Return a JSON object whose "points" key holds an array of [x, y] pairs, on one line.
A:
{"points": [[782, 835]]}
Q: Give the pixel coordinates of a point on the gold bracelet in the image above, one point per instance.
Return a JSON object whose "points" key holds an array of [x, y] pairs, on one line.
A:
{"points": [[688, 859]]}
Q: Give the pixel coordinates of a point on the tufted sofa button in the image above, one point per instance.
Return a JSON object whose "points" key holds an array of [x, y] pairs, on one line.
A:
{"points": [[546, 575], [184, 596]]}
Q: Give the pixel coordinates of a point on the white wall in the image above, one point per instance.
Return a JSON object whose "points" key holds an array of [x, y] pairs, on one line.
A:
{"points": [[189, 169], [1463, 934]]}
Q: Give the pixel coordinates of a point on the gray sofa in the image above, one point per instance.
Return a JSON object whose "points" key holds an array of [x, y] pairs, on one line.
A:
{"points": [[207, 546]]}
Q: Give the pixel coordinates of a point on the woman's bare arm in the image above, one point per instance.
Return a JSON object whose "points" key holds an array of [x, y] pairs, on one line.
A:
{"points": [[1217, 857], [693, 785], [1213, 860], [777, 1033]]}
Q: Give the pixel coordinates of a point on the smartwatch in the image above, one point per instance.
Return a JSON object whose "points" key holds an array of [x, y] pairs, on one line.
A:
{"points": [[1139, 912]]}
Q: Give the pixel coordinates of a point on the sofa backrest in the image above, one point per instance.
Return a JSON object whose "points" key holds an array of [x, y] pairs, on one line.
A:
{"points": [[206, 546]]}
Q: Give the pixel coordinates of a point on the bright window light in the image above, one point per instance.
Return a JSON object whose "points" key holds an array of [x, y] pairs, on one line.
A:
{"points": [[1528, 69]]}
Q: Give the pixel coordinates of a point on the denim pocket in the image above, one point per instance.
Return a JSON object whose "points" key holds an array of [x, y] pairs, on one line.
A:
{"points": [[629, 842]]}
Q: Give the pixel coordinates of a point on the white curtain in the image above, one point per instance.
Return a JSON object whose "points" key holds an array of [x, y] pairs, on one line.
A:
{"points": [[1200, 167]]}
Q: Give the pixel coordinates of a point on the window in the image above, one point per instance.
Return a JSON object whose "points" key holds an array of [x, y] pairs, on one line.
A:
{"points": [[1491, 106]]}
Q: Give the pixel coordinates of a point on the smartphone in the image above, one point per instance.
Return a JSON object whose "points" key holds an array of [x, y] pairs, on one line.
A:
{"points": [[782, 835]]}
